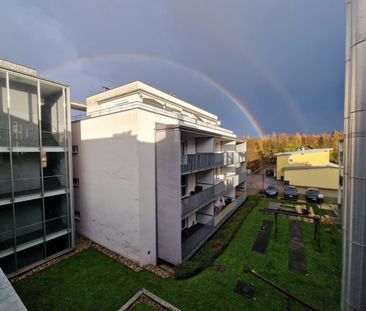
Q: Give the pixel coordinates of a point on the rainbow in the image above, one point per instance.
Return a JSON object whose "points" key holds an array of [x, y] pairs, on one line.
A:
{"points": [[143, 57]]}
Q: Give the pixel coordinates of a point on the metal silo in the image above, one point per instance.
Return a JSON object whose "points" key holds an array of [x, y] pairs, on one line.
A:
{"points": [[354, 191]]}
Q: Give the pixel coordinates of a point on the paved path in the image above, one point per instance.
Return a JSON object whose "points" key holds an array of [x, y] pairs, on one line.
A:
{"points": [[9, 299], [296, 254], [261, 243]]}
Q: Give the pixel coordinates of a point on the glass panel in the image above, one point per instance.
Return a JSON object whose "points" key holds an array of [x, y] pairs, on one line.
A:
{"points": [[56, 214], [52, 115], [27, 173], [5, 177], [57, 245], [7, 264], [54, 170], [30, 255], [6, 229], [4, 121], [23, 112], [29, 223]]}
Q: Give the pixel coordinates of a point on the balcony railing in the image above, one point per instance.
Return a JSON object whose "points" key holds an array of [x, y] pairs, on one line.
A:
{"points": [[242, 177], [202, 198], [229, 209], [198, 236], [202, 231], [202, 161]]}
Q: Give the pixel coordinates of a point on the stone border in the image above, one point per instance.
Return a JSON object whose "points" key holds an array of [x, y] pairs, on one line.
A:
{"points": [[82, 244], [145, 295]]}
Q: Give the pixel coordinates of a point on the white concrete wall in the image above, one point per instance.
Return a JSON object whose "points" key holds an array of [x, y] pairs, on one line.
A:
{"points": [[168, 195], [191, 145], [191, 180], [204, 145], [108, 194]]}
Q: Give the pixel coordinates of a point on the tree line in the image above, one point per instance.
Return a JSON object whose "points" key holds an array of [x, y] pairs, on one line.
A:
{"points": [[261, 151]]}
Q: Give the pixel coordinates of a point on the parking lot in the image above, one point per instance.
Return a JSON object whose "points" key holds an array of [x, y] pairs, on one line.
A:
{"points": [[257, 181]]}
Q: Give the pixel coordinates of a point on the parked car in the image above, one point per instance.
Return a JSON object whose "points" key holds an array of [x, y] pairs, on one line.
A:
{"points": [[270, 173], [271, 191], [291, 193], [314, 195]]}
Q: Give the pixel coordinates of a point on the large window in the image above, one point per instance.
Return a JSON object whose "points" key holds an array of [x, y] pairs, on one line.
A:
{"points": [[54, 170], [4, 121], [27, 173], [29, 223], [53, 115], [56, 214], [183, 184], [5, 177], [6, 229], [23, 112]]}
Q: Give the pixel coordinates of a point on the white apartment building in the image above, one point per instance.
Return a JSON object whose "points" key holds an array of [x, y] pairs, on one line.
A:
{"points": [[154, 177]]}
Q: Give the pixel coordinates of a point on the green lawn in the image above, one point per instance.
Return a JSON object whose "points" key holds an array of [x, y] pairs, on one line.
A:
{"points": [[93, 281]]}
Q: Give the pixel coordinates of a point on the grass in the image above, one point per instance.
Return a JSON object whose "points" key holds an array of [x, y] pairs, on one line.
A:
{"points": [[92, 281]]}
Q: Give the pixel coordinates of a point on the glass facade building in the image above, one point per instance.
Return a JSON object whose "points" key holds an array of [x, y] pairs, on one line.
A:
{"points": [[35, 197]]}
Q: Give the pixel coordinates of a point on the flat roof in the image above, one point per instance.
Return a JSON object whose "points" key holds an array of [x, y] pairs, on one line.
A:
{"points": [[134, 86], [303, 151], [25, 71], [309, 167]]}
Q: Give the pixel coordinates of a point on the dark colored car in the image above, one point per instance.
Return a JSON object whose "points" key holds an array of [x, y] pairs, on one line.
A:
{"points": [[271, 191], [270, 173], [314, 195], [291, 193]]}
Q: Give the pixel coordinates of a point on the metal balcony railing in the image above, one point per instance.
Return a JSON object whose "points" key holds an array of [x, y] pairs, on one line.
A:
{"points": [[202, 198], [242, 177], [197, 200], [202, 161]]}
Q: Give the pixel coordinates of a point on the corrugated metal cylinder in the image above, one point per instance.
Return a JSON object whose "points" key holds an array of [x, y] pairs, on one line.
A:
{"points": [[354, 196]]}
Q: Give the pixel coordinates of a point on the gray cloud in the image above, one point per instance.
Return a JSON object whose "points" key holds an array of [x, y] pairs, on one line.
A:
{"points": [[282, 58]]}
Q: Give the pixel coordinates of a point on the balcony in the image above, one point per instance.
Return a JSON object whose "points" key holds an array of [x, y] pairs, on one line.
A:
{"points": [[201, 161], [194, 237], [191, 163], [229, 209], [202, 198], [208, 195]]}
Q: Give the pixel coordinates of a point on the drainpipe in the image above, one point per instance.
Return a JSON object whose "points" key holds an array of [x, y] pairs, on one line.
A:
{"points": [[354, 191]]}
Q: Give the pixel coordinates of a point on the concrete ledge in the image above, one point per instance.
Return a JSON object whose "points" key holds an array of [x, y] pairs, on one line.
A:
{"points": [[9, 299], [155, 299]]}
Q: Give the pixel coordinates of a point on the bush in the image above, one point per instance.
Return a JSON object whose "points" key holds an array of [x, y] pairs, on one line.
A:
{"points": [[216, 245]]}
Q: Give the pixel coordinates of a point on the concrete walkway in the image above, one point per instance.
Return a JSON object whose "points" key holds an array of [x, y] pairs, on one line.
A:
{"points": [[9, 299]]}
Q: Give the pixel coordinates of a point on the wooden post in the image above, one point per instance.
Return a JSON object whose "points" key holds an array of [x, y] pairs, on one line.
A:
{"points": [[276, 226]]}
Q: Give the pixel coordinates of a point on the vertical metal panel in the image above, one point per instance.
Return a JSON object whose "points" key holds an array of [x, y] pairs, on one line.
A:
{"points": [[40, 159], [354, 203], [11, 167]]}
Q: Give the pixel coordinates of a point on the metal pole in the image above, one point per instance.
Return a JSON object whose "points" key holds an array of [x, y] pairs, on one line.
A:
{"points": [[280, 289]]}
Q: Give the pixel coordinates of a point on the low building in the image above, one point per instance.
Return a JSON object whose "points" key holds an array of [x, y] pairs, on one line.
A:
{"points": [[307, 168], [154, 176], [36, 203]]}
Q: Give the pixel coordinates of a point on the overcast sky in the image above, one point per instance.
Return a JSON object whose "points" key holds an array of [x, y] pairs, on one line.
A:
{"points": [[282, 60]]}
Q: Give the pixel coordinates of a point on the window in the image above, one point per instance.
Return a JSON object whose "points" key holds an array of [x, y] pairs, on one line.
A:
{"points": [[77, 215], [183, 182], [184, 223], [75, 149], [76, 182], [183, 147]]}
